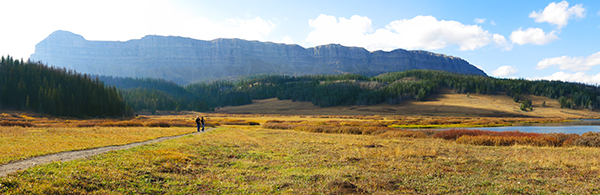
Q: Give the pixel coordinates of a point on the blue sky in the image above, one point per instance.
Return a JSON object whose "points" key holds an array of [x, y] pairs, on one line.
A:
{"points": [[555, 40]]}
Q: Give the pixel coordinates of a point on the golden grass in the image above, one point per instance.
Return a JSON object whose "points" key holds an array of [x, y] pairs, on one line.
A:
{"points": [[252, 160], [19, 142], [445, 104]]}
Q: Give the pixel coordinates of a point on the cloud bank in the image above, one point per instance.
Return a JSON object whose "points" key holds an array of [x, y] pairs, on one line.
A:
{"points": [[504, 71], [420, 32], [571, 63], [532, 36], [579, 77], [558, 13]]}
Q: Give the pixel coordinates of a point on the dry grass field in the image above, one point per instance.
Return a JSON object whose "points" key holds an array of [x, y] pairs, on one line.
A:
{"points": [[22, 142], [253, 160], [447, 103]]}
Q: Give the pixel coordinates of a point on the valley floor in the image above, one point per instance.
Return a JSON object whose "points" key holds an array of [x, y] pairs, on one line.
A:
{"points": [[252, 160]]}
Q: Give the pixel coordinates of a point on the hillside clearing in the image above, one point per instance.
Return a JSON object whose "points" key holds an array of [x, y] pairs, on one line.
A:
{"points": [[447, 103]]}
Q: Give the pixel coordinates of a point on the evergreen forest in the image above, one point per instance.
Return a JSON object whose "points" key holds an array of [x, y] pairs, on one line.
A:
{"points": [[340, 90], [56, 91]]}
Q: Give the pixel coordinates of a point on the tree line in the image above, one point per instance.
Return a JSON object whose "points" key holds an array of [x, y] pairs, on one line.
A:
{"points": [[33, 86], [345, 89]]}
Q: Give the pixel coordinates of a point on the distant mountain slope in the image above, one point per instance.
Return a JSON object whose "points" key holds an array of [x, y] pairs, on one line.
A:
{"points": [[186, 60]]}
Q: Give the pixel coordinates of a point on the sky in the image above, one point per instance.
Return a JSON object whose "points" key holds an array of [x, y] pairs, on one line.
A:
{"points": [[533, 39]]}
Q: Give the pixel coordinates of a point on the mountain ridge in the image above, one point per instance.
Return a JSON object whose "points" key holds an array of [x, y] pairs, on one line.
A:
{"points": [[186, 60]]}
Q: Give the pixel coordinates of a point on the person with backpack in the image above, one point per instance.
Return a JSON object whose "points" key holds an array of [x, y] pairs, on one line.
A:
{"points": [[202, 123], [198, 123]]}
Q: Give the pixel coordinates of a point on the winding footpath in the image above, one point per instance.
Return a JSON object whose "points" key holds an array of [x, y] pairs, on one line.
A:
{"points": [[78, 154]]}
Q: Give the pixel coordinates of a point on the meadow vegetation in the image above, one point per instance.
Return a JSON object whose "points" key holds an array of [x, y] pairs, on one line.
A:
{"points": [[314, 154], [254, 160]]}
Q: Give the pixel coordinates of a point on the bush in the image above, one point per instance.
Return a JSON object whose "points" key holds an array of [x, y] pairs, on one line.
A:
{"points": [[271, 125], [237, 122], [275, 121], [87, 124], [252, 123], [158, 124], [122, 124], [212, 124], [454, 134], [182, 124], [485, 140], [404, 133], [16, 123], [375, 130], [589, 139], [564, 139]]}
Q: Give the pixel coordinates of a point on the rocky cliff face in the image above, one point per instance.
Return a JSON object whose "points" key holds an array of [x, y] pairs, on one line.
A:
{"points": [[186, 60]]}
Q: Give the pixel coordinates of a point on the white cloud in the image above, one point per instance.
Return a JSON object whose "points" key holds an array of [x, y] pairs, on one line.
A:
{"points": [[479, 20], [532, 36], [492, 23], [579, 77], [421, 32], [558, 13], [500, 41], [571, 63], [287, 40], [504, 71]]}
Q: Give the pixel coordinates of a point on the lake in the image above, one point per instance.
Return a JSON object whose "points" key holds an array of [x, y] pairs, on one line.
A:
{"points": [[578, 127]]}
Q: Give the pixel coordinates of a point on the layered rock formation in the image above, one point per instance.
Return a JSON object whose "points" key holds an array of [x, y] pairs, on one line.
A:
{"points": [[186, 60]]}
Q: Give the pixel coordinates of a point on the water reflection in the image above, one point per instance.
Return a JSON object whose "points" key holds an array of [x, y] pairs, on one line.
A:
{"points": [[578, 127]]}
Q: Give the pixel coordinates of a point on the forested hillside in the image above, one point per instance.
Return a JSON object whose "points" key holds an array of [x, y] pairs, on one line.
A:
{"points": [[347, 89], [55, 91]]}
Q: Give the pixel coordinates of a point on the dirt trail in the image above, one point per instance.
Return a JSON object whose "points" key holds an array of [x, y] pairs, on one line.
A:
{"points": [[73, 155]]}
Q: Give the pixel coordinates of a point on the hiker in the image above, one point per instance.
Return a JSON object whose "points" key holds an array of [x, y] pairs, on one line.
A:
{"points": [[198, 123], [202, 123]]}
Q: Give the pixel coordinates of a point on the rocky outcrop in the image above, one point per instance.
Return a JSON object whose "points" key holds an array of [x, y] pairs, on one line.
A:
{"points": [[186, 60]]}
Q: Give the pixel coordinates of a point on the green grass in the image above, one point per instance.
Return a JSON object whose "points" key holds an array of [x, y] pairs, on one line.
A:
{"points": [[252, 160]]}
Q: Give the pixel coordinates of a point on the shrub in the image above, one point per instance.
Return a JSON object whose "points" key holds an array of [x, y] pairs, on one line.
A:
{"points": [[158, 124], [87, 124], [486, 140], [16, 123], [564, 139], [589, 139], [375, 130], [404, 133], [270, 125], [252, 123], [212, 124], [591, 134], [238, 122], [275, 121], [122, 124], [454, 134], [182, 124]]}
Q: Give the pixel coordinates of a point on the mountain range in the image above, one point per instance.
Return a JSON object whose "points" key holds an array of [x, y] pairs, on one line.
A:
{"points": [[186, 60]]}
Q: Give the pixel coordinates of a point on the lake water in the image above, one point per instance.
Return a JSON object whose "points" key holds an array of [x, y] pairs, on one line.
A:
{"points": [[578, 127]]}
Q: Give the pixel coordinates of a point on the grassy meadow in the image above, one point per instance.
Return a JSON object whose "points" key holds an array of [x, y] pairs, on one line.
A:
{"points": [[22, 142], [298, 154], [254, 160]]}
